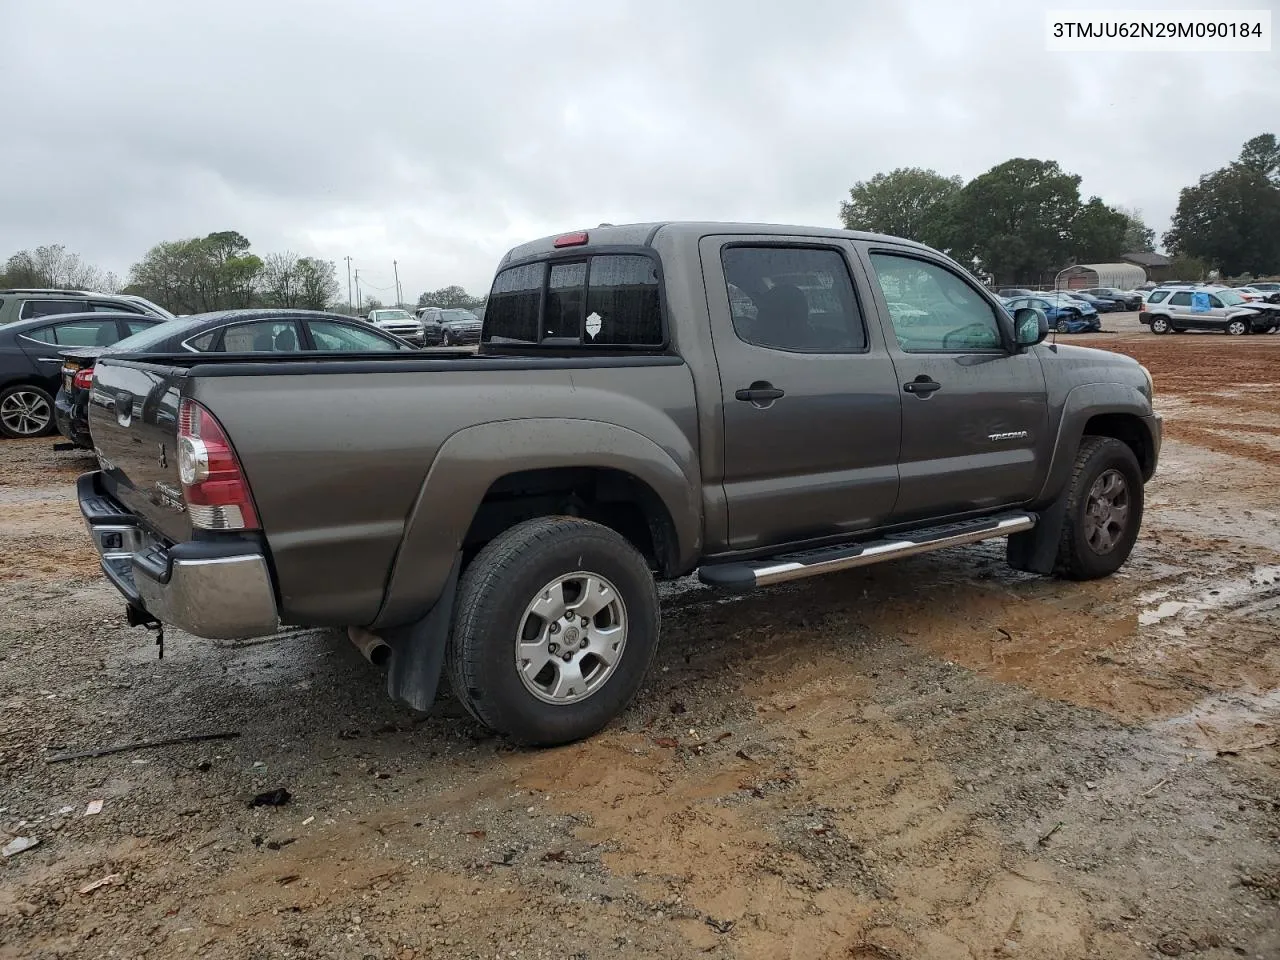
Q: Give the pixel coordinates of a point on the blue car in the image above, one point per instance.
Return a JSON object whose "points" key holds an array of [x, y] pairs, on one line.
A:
{"points": [[1065, 314]]}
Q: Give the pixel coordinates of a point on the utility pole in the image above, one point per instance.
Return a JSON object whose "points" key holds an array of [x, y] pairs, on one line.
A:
{"points": [[358, 306], [350, 304], [399, 296]]}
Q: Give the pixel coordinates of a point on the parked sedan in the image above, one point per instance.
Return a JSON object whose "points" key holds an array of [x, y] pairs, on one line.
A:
{"points": [[1264, 291], [234, 331], [1126, 299], [1064, 314], [31, 368], [1100, 304]]}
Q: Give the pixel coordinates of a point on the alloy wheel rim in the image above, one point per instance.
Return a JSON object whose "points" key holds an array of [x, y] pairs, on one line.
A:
{"points": [[571, 637], [25, 412], [1106, 511]]}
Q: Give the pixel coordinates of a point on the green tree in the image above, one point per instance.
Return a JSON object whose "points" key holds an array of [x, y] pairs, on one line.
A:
{"points": [[909, 202], [1098, 233], [1231, 217], [1262, 154], [1016, 219], [1138, 237], [451, 296]]}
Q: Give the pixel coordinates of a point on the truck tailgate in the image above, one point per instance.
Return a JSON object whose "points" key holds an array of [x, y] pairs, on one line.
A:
{"points": [[133, 417]]}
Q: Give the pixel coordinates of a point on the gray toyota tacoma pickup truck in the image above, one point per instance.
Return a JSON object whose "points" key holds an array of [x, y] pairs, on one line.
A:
{"points": [[755, 403]]}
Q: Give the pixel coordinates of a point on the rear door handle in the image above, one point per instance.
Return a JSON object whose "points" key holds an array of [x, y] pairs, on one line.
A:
{"points": [[762, 393], [922, 386]]}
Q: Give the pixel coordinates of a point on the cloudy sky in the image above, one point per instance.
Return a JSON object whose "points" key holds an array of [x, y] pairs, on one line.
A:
{"points": [[439, 134]]}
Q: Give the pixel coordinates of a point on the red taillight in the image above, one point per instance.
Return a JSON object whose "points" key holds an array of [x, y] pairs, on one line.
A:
{"points": [[213, 484], [83, 378], [570, 239]]}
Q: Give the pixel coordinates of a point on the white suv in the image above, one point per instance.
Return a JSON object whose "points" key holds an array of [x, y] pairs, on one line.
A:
{"points": [[1205, 308]]}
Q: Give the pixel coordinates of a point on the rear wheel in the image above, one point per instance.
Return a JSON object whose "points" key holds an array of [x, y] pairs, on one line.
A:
{"points": [[1159, 325], [25, 411], [1237, 328], [1104, 510], [555, 626]]}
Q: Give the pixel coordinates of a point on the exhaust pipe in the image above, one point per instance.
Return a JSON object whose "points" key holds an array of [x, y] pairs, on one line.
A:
{"points": [[376, 650]]}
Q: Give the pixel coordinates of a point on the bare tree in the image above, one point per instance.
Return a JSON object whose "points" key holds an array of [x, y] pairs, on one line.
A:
{"points": [[281, 280]]}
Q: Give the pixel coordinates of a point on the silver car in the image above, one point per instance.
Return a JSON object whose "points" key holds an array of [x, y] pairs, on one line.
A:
{"points": [[1174, 309]]}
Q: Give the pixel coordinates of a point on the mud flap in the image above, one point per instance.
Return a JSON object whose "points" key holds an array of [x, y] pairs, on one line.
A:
{"points": [[417, 649], [1036, 550]]}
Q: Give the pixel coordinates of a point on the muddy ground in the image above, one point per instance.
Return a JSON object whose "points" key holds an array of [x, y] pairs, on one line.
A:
{"points": [[933, 758]]}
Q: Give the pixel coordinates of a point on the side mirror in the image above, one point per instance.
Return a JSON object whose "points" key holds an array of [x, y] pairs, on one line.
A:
{"points": [[1031, 326]]}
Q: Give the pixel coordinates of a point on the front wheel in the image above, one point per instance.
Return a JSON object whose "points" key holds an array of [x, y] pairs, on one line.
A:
{"points": [[25, 411], [555, 625], [1104, 510], [1237, 328], [1159, 325]]}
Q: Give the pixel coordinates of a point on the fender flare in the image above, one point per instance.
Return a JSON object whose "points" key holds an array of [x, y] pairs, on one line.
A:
{"points": [[1036, 550], [472, 459], [1080, 405]]}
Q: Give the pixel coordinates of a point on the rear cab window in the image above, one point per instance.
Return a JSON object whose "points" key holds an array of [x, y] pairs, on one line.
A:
{"points": [[594, 301]]}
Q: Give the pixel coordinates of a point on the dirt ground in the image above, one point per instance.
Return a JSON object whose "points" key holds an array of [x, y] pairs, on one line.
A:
{"points": [[934, 758]]}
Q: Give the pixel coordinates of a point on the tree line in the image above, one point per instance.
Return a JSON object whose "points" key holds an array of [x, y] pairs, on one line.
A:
{"points": [[1024, 218], [219, 271]]}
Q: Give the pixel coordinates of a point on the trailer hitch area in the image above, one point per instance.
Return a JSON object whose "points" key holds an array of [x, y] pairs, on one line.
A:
{"points": [[138, 617]]}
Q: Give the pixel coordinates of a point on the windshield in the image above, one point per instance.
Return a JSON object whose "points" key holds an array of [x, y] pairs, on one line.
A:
{"points": [[390, 315], [151, 336], [458, 315], [1230, 298]]}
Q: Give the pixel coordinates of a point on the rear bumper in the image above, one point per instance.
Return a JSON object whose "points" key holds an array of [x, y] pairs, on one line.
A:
{"points": [[71, 422], [220, 591]]}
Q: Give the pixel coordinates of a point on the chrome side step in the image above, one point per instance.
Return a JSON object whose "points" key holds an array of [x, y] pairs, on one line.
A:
{"points": [[812, 563]]}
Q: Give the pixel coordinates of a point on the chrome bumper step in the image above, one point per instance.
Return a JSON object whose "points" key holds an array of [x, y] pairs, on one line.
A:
{"points": [[812, 563]]}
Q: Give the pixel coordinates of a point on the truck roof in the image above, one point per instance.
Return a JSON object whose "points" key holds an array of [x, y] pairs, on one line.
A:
{"points": [[643, 235]]}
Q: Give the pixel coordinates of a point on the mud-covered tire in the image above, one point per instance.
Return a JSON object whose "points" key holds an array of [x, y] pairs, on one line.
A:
{"points": [[492, 606], [1078, 556]]}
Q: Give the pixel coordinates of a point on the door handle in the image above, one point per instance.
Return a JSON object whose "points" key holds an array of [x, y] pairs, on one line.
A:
{"points": [[762, 393], [922, 386]]}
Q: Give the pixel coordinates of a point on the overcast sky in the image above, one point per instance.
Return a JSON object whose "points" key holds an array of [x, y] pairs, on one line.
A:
{"points": [[439, 134]]}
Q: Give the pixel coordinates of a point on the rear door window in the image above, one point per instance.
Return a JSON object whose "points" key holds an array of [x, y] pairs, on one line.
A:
{"points": [[261, 336], [46, 308], [1180, 299], [794, 298], [77, 333], [137, 326], [100, 307]]}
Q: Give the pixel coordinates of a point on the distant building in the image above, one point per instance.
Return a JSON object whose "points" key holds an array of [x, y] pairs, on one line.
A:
{"points": [[1155, 264], [1082, 276]]}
